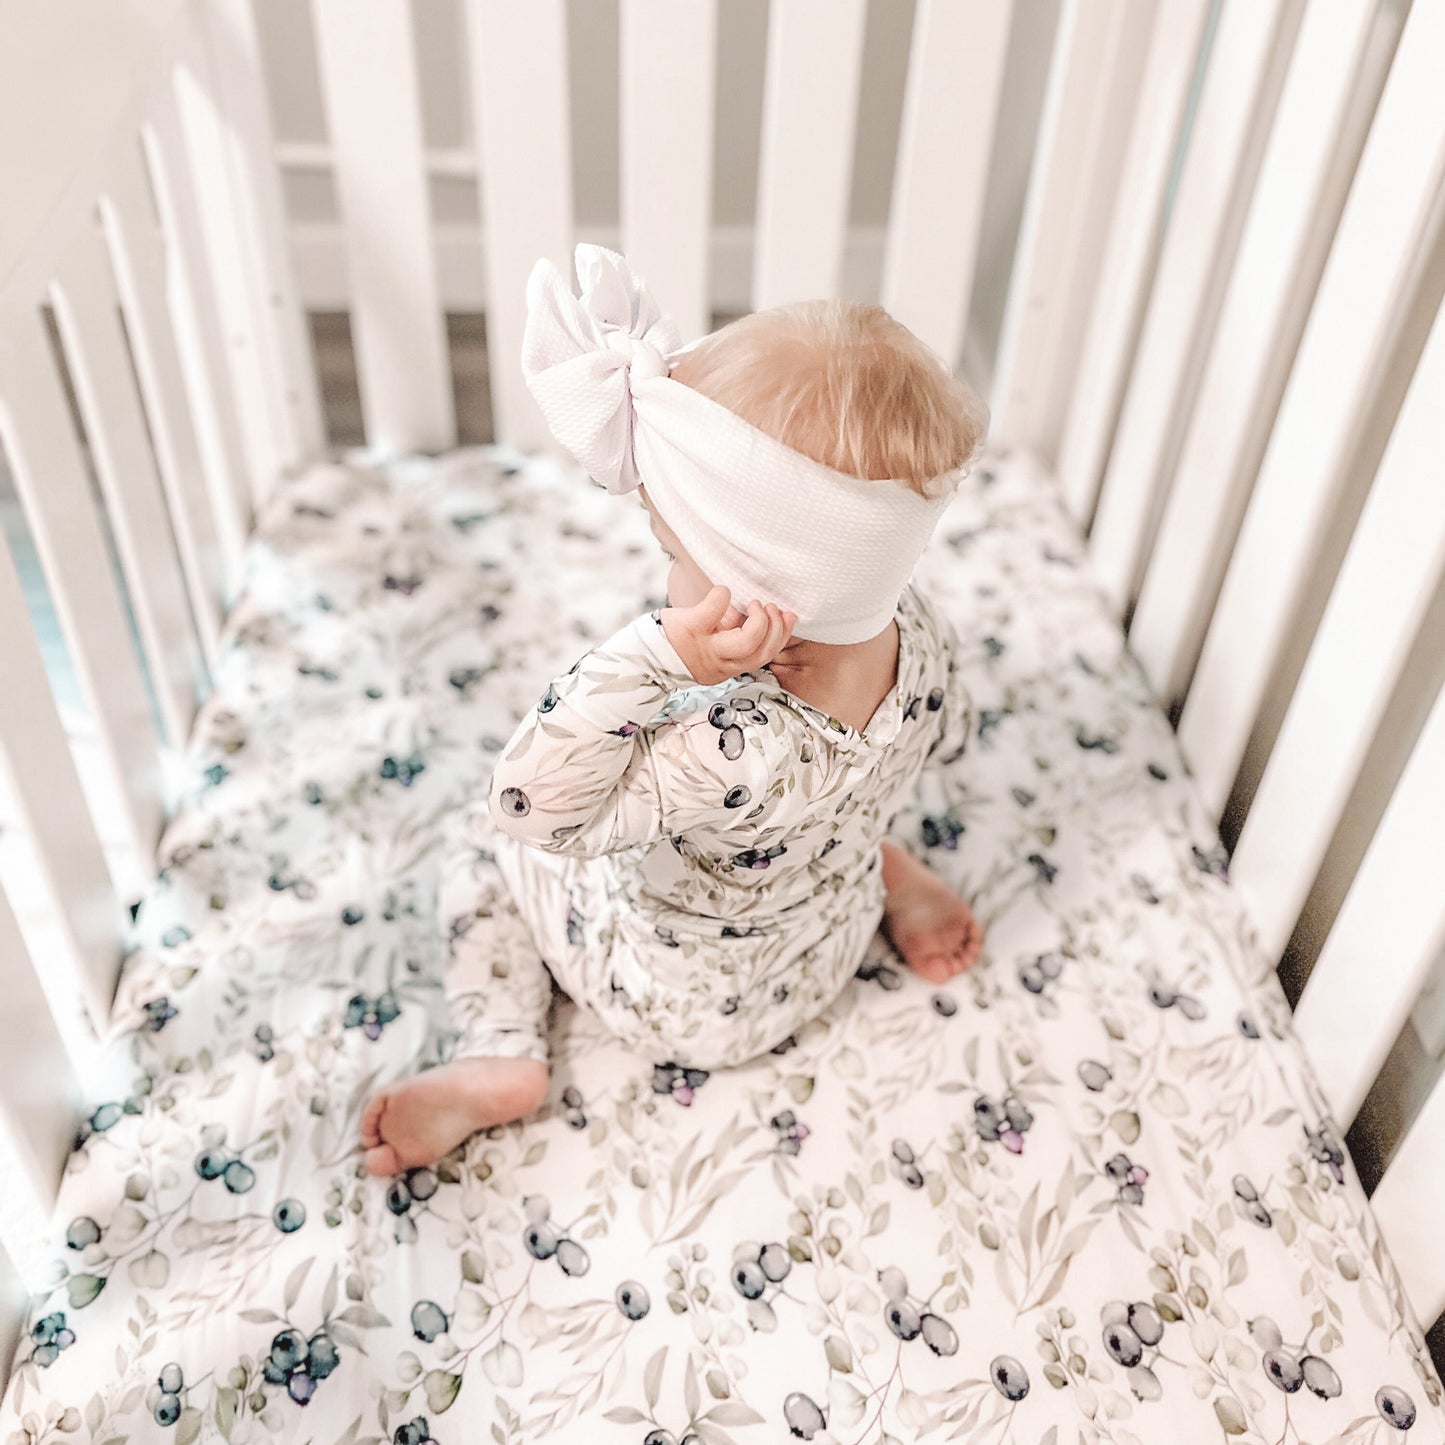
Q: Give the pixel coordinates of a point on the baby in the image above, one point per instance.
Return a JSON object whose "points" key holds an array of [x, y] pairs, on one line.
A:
{"points": [[688, 833]]}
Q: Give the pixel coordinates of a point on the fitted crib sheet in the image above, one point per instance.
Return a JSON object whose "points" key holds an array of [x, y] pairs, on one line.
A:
{"points": [[1088, 1192]]}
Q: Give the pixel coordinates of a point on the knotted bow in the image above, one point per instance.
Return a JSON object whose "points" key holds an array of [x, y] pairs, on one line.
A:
{"points": [[583, 357]]}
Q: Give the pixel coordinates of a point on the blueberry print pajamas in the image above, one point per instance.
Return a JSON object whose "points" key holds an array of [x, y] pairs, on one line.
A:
{"points": [[700, 866]]}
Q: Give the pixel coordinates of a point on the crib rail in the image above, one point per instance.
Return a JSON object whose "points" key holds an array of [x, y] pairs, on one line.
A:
{"points": [[1221, 264]]}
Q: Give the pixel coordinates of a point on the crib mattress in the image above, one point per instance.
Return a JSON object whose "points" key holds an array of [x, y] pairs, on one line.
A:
{"points": [[1088, 1192]]}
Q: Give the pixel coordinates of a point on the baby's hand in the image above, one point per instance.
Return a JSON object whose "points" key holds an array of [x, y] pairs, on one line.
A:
{"points": [[717, 642]]}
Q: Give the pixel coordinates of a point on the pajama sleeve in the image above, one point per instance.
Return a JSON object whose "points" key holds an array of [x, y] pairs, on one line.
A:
{"points": [[586, 773]]}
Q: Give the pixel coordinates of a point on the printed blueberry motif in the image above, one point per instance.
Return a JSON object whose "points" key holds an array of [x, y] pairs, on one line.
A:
{"points": [[942, 832], [50, 1336], [1247, 1026], [227, 1166], [935, 699], [730, 742], [1130, 1333], [1099, 742], [944, 1005], [175, 935], [1004, 1123], [371, 1015], [911, 712], [790, 1131], [216, 774], [264, 1043], [1128, 1177], [874, 970], [549, 700], [514, 803], [1162, 996], [300, 1364], [1215, 861], [1246, 1198], [681, 1083], [632, 1299], [289, 1216], [904, 1165], [1325, 1147], [1093, 1075], [416, 1431], [428, 1321], [171, 1381], [1395, 1406], [802, 1416], [1009, 1377], [738, 797], [572, 1108], [82, 1233], [759, 858], [543, 1240], [1041, 972], [756, 1269], [403, 770], [1045, 871]]}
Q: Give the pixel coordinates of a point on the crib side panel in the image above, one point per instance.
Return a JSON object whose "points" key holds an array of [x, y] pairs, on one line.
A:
{"points": [[49, 475], [810, 115], [369, 81], [88, 314], [1094, 86], [517, 63], [1313, 147], [1241, 86], [668, 71], [1393, 570], [207, 528], [944, 149], [1130, 252], [1346, 368]]}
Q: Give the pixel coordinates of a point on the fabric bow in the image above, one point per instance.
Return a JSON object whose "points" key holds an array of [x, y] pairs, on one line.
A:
{"points": [[583, 357]]}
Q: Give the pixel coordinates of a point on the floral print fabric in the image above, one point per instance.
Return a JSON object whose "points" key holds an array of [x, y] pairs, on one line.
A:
{"points": [[1088, 1192], [700, 870]]}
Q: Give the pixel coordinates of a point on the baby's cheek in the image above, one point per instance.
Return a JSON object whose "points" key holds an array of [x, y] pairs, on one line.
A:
{"points": [[686, 586]]}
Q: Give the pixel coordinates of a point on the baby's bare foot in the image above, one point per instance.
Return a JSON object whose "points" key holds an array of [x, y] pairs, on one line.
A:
{"points": [[420, 1120], [931, 927]]}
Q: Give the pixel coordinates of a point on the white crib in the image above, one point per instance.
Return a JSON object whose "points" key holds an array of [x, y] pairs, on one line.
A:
{"points": [[1222, 336]]}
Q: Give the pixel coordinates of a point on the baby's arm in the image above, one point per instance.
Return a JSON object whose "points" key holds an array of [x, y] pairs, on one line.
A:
{"points": [[585, 775]]}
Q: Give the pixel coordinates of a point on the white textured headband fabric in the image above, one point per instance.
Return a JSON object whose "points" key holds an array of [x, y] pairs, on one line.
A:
{"points": [[756, 516]]}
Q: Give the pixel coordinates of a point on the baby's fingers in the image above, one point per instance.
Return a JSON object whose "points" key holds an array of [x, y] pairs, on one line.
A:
{"points": [[744, 641]]}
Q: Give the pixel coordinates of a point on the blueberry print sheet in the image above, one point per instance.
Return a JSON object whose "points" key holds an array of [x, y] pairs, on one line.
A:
{"points": [[1089, 1192]]}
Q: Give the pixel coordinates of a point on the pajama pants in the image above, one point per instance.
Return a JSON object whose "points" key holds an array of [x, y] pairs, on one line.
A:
{"points": [[512, 930]]}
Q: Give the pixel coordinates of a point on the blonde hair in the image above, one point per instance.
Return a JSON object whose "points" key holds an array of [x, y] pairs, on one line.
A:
{"points": [[844, 384]]}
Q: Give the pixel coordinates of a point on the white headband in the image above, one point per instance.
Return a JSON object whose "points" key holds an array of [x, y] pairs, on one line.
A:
{"points": [[758, 517]]}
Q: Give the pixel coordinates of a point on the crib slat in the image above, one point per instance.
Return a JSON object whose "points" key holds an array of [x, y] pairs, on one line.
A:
{"points": [[87, 311], [195, 314], [946, 143], [1406, 1205], [1092, 90], [805, 169], [1235, 106], [55, 492], [518, 67], [234, 59], [373, 108], [1129, 253], [1301, 190], [40, 1096], [41, 796], [1389, 931], [668, 62], [1386, 227], [1395, 564], [135, 246]]}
